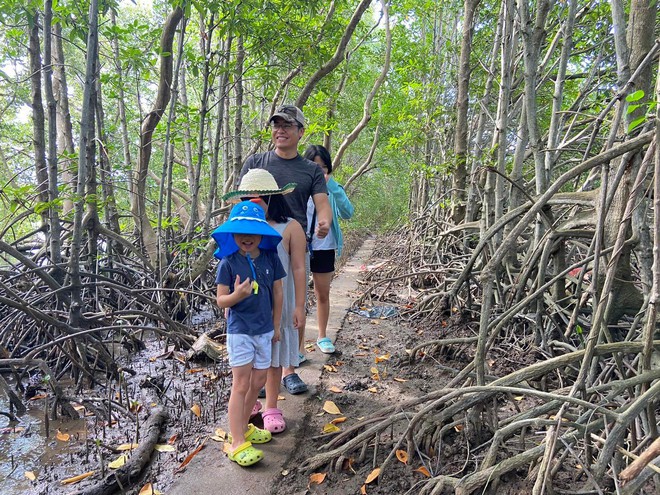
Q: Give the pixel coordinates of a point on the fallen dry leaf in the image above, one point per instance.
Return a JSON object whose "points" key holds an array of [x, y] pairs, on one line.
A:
{"points": [[400, 380], [424, 471], [384, 357], [189, 458], [30, 475], [216, 438], [373, 390], [173, 438], [519, 398], [331, 408], [195, 370], [360, 354], [197, 411], [164, 447], [38, 396], [336, 421], [363, 490], [76, 479], [375, 375], [148, 489], [330, 428], [329, 368], [372, 476], [127, 446], [336, 390], [375, 322], [458, 428], [281, 397], [118, 462], [62, 437], [402, 455], [317, 478], [221, 433]]}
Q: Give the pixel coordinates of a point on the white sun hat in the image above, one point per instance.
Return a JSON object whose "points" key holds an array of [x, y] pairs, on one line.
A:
{"points": [[257, 182]]}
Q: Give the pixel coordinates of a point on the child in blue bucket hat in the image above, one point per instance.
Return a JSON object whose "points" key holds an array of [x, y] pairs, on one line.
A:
{"points": [[249, 283]]}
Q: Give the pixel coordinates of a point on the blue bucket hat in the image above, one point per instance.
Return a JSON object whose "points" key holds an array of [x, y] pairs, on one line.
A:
{"points": [[245, 217]]}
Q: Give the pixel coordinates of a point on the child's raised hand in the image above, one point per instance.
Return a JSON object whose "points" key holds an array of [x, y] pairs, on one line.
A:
{"points": [[243, 289]]}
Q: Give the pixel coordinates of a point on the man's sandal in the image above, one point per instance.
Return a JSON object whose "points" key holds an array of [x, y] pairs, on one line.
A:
{"points": [[273, 420], [254, 435], [245, 455], [325, 344], [294, 384]]}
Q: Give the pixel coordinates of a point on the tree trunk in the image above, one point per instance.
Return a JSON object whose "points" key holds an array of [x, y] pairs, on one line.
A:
{"points": [[139, 190], [459, 192]]}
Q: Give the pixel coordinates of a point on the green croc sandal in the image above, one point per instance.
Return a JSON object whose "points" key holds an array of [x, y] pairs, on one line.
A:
{"points": [[257, 435], [245, 455], [325, 344]]}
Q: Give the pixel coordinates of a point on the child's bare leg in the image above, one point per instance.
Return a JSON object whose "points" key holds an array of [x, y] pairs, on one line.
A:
{"points": [[236, 409], [273, 386], [322, 283], [256, 382]]}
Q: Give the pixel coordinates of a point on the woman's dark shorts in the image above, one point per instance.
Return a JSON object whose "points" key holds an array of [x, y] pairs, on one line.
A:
{"points": [[322, 261]]}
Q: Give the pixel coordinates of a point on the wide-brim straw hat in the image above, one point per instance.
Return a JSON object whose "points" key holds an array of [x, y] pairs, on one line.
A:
{"points": [[245, 217], [257, 182]]}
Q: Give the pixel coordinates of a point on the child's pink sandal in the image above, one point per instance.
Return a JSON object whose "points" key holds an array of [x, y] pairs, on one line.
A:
{"points": [[256, 408], [273, 420]]}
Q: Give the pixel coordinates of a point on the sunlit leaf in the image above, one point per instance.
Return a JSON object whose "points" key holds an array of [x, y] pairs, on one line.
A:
{"points": [[424, 471], [76, 479], [118, 462], [330, 428], [38, 396], [402, 455], [164, 447], [221, 433], [519, 397], [127, 446], [336, 390], [30, 475], [635, 96], [363, 490], [329, 368], [400, 380], [317, 478], [216, 438], [336, 421], [62, 437], [373, 390], [372, 476], [148, 489], [331, 408], [197, 411]]}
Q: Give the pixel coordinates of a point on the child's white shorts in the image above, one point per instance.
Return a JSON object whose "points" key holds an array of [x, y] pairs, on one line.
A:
{"points": [[245, 349]]}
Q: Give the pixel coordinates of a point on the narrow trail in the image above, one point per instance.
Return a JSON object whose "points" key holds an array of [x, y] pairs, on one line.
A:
{"points": [[211, 472]]}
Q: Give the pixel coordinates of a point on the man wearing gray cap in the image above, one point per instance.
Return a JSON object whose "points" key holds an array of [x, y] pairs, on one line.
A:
{"points": [[286, 165]]}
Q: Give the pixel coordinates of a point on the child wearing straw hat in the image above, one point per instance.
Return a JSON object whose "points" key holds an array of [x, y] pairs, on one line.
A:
{"points": [[249, 281], [260, 186]]}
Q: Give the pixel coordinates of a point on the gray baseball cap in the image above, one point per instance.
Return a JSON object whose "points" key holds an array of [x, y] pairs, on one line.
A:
{"points": [[290, 113]]}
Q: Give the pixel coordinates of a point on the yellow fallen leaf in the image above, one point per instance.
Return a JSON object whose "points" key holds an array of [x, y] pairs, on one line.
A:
{"points": [[221, 433], [401, 380], [226, 447], [363, 490], [281, 397], [331, 408], [329, 368], [336, 390], [62, 437], [373, 390], [336, 421], [375, 322], [30, 475], [363, 347], [372, 476], [163, 447], [317, 478], [402, 455], [148, 489], [330, 428], [118, 462], [127, 446], [360, 354], [424, 471], [520, 397], [384, 357], [197, 411], [216, 438], [76, 479]]}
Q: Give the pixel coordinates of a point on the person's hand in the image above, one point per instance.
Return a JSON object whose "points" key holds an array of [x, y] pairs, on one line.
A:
{"points": [[299, 318], [276, 335], [242, 289], [322, 229]]}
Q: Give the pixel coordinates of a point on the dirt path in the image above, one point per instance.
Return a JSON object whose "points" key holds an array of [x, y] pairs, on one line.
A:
{"points": [[210, 472]]}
